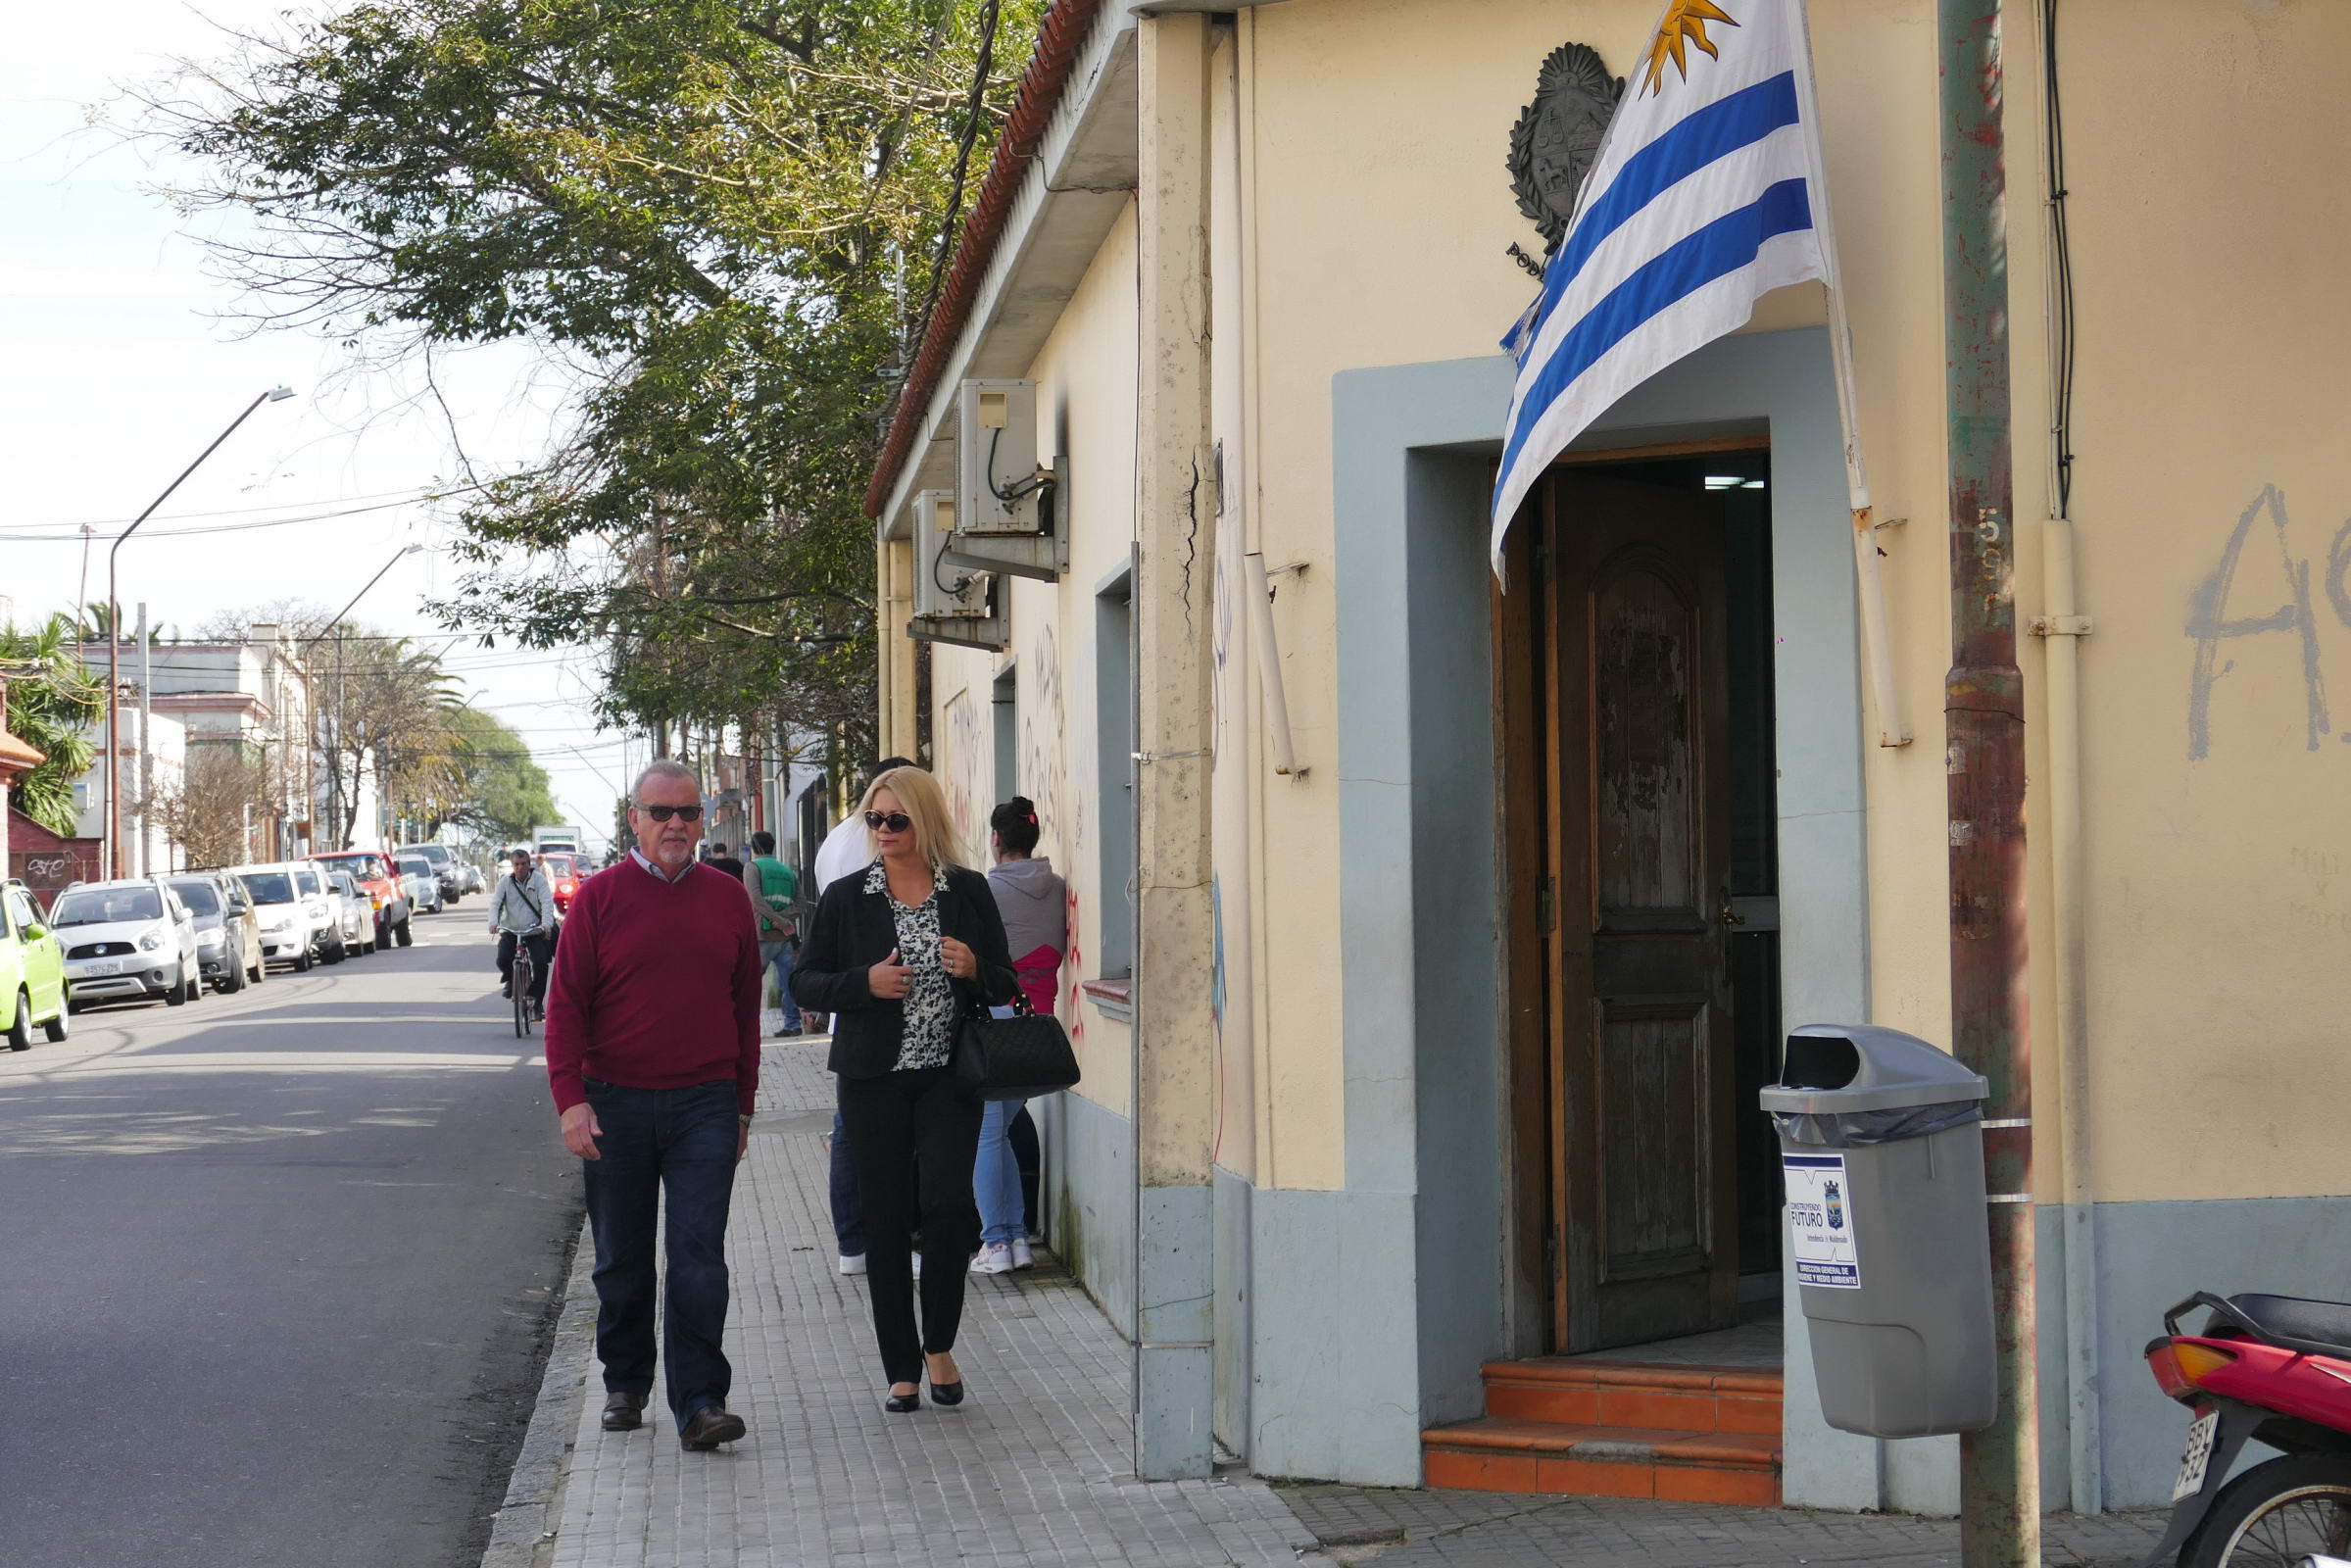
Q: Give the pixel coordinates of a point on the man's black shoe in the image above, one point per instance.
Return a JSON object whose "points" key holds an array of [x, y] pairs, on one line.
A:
{"points": [[709, 1427], [787, 1034], [623, 1412]]}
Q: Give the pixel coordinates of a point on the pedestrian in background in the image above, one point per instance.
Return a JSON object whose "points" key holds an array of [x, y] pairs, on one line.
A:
{"points": [[720, 860], [1034, 903], [901, 955], [848, 847], [774, 886], [652, 1052]]}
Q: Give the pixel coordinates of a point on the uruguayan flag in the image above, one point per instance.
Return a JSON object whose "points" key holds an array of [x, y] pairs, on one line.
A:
{"points": [[1706, 194]]}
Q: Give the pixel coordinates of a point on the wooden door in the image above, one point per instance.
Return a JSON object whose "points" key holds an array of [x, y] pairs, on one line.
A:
{"points": [[1638, 839]]}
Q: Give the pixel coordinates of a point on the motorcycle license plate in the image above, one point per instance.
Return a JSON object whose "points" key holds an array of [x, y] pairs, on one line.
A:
{"points": [[2198, 1457]]}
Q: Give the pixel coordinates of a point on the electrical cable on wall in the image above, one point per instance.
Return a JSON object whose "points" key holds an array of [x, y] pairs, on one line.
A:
{"points": [[2062, 260]]}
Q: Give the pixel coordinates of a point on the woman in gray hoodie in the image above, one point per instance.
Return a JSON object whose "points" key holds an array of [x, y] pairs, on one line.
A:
{"points": [[1035, 906]]}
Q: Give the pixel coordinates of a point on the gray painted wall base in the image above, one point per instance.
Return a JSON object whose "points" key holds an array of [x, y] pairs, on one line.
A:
{"points": [[1235, 1300], [1174, 1373], [1334, 1338], [1094, 1202]]}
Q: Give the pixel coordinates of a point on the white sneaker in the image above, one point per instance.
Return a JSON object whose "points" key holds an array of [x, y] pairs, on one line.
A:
{"points": [[853, 1264], [1022, 1257], [995, 1258]]}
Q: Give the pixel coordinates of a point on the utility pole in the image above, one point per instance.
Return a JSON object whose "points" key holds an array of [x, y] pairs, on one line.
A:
{"points": [[146, 741], [1983, 713]]}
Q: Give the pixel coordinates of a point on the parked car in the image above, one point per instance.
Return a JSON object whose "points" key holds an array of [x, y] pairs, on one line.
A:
{"points": [[277, 906], [381, 880], [444, 865], [566, 871], [320, 908], [124, 940], [358, 909], [469, 877], [424, 881], [32, 971], [228, 948]]}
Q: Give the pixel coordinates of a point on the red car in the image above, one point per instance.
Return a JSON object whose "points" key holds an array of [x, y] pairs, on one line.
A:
{"points": [[379, 879], [567, 871]]}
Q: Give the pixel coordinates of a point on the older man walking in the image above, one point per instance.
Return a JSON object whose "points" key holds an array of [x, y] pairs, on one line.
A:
{"points": [[652, 1050]]}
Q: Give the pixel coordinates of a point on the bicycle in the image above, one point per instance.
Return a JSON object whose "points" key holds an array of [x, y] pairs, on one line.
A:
{"points": [[527, 1011]]}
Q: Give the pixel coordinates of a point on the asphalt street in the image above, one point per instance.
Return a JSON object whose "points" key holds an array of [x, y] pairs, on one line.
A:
{"points": [[275, 1268]]}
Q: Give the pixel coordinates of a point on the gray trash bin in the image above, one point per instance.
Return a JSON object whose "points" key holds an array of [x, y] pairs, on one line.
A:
{"points": [[1882, 1146]]}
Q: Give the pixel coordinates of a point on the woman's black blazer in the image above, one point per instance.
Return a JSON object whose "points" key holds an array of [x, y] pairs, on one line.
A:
{"points": [[854, 930]]}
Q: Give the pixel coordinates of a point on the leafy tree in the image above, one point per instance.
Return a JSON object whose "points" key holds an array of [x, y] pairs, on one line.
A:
{"points": [[53, 704], [727, 217], [488, 786], [205, 814]]}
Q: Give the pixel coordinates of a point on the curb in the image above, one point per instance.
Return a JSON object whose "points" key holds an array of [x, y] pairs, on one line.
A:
{"points": [[522, 1530]]}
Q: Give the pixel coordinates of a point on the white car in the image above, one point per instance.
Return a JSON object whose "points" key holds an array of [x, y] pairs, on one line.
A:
{"points": [[277, 906], [127, 939], [358, 928], [322, 906]]}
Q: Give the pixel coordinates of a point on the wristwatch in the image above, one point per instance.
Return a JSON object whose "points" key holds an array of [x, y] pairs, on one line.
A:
{"points": [[744, 1117]]}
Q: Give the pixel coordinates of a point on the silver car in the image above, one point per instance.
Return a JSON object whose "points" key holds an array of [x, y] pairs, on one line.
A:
{"points": [[127, 940], [358, 929], [424, 883]]}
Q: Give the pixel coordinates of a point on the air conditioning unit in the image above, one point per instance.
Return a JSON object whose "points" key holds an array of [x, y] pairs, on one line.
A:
{"points": [[1000, 487], [943, 590]]}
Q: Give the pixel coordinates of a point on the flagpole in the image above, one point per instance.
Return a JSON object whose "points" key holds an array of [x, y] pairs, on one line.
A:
{"points": [[1869, 581]]}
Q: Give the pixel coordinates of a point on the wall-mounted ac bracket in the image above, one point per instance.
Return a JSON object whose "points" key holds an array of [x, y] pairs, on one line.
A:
{"points": [[1043, 556], [993, 634]]}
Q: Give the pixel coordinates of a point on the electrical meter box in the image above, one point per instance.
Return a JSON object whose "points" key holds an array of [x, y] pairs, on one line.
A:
{"points": [[1000, 489], [942, 591]]}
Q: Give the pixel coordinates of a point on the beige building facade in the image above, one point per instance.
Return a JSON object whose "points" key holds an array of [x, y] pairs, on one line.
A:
{"points": [[1363, 1110]]}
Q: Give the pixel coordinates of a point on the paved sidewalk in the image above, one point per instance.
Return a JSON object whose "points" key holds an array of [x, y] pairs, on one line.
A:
{"points": [[1033, 1468], [1397, 1528]]}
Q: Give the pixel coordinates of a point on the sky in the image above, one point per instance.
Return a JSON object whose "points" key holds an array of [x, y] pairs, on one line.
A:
{"points": [[119, 366]]}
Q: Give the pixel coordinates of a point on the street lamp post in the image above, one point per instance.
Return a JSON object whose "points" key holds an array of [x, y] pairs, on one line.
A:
{"points": [[114, 638]]}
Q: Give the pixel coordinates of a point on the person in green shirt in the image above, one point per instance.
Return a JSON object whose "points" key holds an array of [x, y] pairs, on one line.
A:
{"points": [[774, 886]]}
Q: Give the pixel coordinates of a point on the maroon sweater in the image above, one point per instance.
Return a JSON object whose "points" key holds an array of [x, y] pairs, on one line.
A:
{"points": [[656, 985]]}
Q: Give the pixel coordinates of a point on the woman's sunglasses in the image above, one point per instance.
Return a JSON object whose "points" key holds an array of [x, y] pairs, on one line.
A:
{"points": [[662, 813], [895, 821]]}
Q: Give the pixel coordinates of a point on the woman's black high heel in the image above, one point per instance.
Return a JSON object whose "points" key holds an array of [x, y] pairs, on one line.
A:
{"points": [[908, 1404], [947, 1393]]}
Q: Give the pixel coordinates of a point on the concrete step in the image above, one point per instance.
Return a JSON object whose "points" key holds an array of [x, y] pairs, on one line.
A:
{"points": [[1584, 1391], [1495, 1454]]}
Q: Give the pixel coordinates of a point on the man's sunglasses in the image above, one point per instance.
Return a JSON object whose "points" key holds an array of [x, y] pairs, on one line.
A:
{"points": [[662, 813], [895, 821]]}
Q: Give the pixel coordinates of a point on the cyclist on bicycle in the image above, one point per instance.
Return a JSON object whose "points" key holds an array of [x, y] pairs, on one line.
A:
{"points": [[522, 910]]}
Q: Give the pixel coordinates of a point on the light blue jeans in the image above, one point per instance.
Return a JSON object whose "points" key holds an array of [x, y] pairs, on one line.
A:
{"points": [[996, 1178]]}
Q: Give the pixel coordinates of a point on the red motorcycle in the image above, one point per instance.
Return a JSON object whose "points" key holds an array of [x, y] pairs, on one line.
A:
{"points": [[2274, 1369]]}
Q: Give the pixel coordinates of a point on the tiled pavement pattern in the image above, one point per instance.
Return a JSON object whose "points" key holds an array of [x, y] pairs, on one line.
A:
{"points": [[1033, 1469], [1497, 1530]]}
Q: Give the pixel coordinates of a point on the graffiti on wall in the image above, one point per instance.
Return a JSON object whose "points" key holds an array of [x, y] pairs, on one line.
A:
{"points": [[1073, 973], [2261, 588], [966, 780], [1045, 745]]}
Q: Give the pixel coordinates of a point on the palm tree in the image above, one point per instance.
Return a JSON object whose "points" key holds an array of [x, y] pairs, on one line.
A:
{"points": [[53, 705]]}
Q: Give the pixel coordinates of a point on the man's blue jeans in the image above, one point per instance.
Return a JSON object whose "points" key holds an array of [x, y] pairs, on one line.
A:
{"points": [[677, 1143], [777, 955], [996, 1178], [849, 1226]]}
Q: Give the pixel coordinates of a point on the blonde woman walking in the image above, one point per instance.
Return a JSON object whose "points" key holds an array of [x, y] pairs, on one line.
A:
{"points": [[902, 953]]}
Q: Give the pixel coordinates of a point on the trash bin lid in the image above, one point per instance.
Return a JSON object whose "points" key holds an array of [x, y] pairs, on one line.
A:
{"points": [[1832, 1067]]}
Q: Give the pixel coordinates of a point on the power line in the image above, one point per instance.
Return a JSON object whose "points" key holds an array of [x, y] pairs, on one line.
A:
{"points": [[11, 533]]}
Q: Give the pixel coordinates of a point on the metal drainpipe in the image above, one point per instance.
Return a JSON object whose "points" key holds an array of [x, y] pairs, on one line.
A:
{"points": [[1984, 730]]}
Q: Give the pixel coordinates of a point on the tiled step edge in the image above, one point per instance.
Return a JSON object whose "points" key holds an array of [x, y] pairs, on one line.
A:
{"points": [[1674, 1399], [1595, 1461]]}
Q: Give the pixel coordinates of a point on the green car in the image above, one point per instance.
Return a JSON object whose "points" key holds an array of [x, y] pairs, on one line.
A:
{"points": [[32, 971]]}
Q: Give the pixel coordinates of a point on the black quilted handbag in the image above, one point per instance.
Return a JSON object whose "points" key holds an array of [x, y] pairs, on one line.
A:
{"points": [[1015, 1059]]}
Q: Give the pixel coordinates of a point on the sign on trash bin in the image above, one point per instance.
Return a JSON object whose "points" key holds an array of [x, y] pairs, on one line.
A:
{"points": [[1821, 1222]]}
